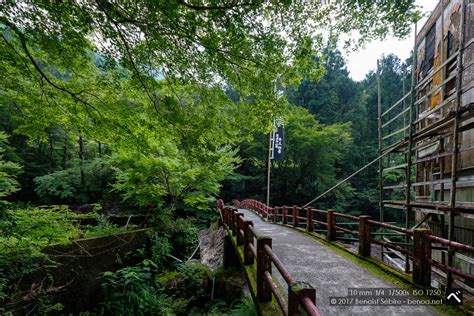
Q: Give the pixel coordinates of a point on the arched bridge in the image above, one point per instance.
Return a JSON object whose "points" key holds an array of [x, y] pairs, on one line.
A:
{"points": [[292, 271]]}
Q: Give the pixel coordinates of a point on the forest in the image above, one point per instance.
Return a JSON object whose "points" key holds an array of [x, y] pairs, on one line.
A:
{"points": [[157, 108]]}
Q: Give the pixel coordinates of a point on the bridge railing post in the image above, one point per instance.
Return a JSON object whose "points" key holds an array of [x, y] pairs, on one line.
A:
{"points": [[331, 229], [240, 226], [296, 292], [285, 214], [225, 215], [264, 263], [232, 221], [275, 214], [364, 236], [248, 240], [309, 220], [295, 215], [228, 216], [421, 257]]}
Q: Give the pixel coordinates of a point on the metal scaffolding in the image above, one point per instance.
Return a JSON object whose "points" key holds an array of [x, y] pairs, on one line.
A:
{"points": [[427, 132]]}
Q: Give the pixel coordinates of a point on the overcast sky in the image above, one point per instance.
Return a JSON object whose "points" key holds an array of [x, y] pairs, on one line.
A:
{"points": [[359, 63]]}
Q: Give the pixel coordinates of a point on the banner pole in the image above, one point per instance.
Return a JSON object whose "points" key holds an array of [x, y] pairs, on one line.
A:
{"points": [[269, 166]]}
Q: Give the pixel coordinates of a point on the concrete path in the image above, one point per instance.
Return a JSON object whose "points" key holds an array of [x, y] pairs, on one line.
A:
{"points": [[329, 273]]}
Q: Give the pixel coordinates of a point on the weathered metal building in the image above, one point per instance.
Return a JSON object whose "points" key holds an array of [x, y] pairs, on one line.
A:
{"points": [[428, 136]]}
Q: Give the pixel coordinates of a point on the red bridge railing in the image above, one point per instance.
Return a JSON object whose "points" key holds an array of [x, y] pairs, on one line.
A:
{"points": [[325, 221], [301, 296]]}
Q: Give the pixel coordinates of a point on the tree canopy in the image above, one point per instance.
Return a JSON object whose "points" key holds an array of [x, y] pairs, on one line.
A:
{"points": [[147, 84]]}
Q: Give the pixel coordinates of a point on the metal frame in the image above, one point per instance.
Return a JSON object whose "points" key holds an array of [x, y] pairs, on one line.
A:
{"points": [[416, 131]]}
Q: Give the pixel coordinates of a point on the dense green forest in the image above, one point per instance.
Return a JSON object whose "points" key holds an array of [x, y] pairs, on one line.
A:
{"points": [[331, 132], [158, 108]]}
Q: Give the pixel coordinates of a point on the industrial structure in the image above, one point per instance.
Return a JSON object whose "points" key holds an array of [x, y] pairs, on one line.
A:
{"points": [[426, 140]]}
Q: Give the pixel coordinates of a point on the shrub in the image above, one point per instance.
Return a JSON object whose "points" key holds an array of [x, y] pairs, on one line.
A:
{"points": [[132, 291], [65, 185]]}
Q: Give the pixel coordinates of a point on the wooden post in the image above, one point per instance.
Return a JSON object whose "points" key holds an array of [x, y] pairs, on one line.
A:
{"points": [[275, 214], [364, 236], [248, 240], [285, 219], [296, 213], [240, 226], [233, 225], [421, 256], [331, 220], [227, 215], [296, 292], [264, 263], [309, 220], [225, 211]]}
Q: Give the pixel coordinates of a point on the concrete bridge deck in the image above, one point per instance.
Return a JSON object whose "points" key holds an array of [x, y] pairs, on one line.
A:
{"points": [[329, 273]]}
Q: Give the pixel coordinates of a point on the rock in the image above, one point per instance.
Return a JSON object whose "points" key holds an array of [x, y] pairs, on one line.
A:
{"points": [[212, 246]]}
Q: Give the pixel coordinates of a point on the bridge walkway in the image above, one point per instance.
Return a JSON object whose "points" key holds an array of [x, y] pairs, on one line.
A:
{"points": [[329, 273]]}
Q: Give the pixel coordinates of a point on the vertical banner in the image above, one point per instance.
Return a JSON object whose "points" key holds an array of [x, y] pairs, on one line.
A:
{"points": [[277, 139]]}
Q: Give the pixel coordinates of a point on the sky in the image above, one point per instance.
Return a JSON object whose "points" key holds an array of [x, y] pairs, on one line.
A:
{"points": [[360, 62]]}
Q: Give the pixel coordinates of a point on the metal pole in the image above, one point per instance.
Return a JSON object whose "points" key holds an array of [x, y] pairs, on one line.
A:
{"points": [[404, 101], [410, 148], [270, 141], [441, 141], [379, 111], [441, 57], [454, 160]]}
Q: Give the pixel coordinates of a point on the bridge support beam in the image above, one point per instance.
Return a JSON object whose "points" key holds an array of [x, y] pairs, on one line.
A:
{"points": [[364, 236], [231, 258], [331, 231], [264, 263], [421, 257], [296, 292]]}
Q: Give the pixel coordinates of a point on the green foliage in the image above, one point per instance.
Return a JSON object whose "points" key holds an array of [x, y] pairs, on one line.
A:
{"points": [[38, 226], [160, 249], [197, 278], [67, 185], [243, 307], [132, 291], [8, 171], [336, 98], [186, 286], [184, 235], [148, 91], [22, 237], [150, 100], [168, 177], [103, 228], [25, 232], [312, 151], [46, 306]]}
